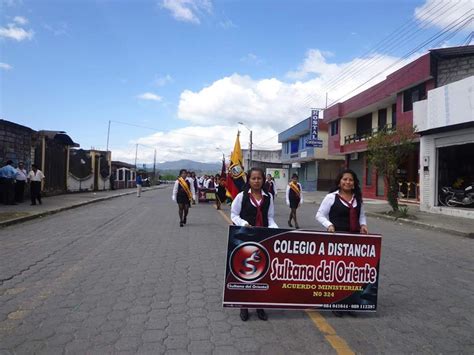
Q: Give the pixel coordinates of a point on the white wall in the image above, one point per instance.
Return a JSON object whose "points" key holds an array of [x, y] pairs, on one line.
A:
{"points": [[447, 105]]}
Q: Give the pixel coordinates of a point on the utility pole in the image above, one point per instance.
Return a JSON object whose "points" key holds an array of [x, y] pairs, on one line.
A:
{"points": [[250, 152], [154, 168], [326, 100], [136, 153], [108, 135]]}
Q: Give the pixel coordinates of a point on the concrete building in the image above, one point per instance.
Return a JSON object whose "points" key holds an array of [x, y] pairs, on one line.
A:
{"points": [[388, 105], [89, 170], [316, 169], [445, 122]]}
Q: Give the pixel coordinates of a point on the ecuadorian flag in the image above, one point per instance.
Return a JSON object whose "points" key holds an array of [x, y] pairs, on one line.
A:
{"points": [[235, 180]]}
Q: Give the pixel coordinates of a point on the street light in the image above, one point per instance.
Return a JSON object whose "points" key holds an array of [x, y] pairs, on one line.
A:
{"points": [[251, 144], [223, 154]]}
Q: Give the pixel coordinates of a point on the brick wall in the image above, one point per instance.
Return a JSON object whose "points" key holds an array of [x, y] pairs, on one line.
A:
{"points": [[16, 143], [454, 69]]}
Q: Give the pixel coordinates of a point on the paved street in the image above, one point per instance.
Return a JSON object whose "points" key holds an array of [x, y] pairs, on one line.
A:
{"points": [[122, 276]]}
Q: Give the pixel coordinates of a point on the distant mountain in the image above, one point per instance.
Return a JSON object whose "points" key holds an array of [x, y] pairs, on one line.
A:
{"points": [[188, 165]]}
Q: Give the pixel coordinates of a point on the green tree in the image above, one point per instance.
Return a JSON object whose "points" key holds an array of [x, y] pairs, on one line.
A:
{"points": [[387, 149]]}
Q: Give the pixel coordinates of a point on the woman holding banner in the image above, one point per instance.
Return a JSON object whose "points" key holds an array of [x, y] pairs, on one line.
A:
{"points": [[183, 194], [294, 198], [342, 209], [253, 207]]}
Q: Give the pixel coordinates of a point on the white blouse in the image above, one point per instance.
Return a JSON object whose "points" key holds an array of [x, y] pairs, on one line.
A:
{"points": [[237, 207], [322, 216]]}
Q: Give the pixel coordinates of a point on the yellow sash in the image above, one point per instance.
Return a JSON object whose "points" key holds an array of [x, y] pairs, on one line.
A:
{"points": [[185, 187], [295, 188]]}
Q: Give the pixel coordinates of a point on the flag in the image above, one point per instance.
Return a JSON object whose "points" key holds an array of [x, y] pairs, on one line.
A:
{"points": [[235, 180], [223, 174]]}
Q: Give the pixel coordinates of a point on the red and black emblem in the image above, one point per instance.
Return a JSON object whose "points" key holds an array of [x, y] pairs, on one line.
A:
{"points": [[249, 262]]}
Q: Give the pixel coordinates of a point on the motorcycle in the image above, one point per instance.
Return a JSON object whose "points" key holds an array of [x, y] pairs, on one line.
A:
{"points": [[456, 197]]}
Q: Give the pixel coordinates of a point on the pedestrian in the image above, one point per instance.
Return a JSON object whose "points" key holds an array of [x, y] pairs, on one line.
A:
{"points": [[342, 210], [7, 183], [183, 195], [270, 186], [190, 179], [139, 183], [35, 177], [253, 207], [220, 193], [294, 199], [21, 177]]}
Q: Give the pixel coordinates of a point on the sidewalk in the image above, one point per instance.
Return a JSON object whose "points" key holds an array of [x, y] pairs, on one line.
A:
{"points": [[377, 208], [24, 211]]}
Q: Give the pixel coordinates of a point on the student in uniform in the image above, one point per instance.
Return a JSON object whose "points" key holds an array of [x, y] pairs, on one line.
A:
{"points": [[342, 210], [35, 177], [294, 198], [183, 195], [220, 193], [270, 186], [253, 207]]}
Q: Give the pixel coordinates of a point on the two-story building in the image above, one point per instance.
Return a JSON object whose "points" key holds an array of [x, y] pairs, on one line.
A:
{"points": [[316, 169], [388, 105]]}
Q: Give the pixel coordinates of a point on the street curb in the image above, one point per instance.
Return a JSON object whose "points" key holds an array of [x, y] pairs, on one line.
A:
{"points": [[420, 224], [18, 220]]}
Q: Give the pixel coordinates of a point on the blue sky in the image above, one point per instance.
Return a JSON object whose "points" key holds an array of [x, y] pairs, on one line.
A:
{"points": [[191, 69]]}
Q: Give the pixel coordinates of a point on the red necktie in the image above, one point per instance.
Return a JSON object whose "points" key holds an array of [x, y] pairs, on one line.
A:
{"points": [[354, 226], [259, 216]]}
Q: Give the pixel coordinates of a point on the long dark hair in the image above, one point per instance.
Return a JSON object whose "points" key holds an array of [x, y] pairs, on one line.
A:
{"points": [[249, 173], [357, 191]]}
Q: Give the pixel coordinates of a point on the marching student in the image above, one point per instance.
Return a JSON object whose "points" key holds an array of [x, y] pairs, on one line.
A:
{"points": [[342, 210], [190, 179], [294, 198], [183, 195], [253, 207], [220, 193], [270, 186]]}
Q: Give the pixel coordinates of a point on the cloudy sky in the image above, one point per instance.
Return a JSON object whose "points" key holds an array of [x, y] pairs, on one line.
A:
{"points": [[178, 75]]}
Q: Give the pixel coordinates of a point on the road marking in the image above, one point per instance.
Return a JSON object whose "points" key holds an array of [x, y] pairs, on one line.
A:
{"points": [[337, 343]]}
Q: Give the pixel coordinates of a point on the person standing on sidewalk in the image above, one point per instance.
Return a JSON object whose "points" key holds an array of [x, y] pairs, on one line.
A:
{"points": [[35, 177], [183, 196], [253, 207], [139, 183], [21, 177], [294, 198], [270, 186], [7, 183]]}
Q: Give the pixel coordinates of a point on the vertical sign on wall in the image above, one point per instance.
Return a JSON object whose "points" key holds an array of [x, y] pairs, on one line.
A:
{"points": [[313, 140]]}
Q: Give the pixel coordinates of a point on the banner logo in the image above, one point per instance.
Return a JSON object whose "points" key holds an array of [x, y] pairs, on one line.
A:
{"points": [[249, 262]]}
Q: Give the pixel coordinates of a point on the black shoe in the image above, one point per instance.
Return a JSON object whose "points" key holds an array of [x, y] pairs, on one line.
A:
{"points": [[32, 204], [338, 314], [244, 314], [181, 224], [184, 220], [297, 226], [352, 314], [289, 224], [261, 314]]}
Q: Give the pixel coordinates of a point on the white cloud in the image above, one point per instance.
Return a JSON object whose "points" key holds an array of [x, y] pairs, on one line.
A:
{"points": [[227, 24], [149, 96], [16, 33], [20, 20], [275, 104], [5, 66], [441, 13], [163, 80], [188, 10], [251, 59], [11, 3], [59, 29], [199, 143]]}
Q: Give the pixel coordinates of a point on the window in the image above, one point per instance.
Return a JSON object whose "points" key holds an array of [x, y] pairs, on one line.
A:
{"points": [[120, 174], [394, 115], [412, 95], [382, 121], [303, 140], [334, 127], [294, 146], [364, 125]]}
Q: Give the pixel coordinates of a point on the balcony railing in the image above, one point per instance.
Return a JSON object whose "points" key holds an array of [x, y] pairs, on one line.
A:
{"points": [[352, 138]]}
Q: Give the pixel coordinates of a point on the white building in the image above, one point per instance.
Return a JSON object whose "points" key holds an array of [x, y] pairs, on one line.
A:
{"points": [[445, 121]]}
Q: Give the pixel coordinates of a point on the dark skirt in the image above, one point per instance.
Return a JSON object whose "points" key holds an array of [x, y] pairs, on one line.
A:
{"points": [[182, 199], [294, 203]]}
